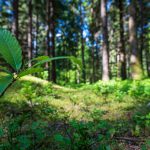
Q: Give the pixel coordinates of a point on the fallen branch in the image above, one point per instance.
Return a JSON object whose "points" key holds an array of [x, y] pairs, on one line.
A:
{"points": [[130, 139]]}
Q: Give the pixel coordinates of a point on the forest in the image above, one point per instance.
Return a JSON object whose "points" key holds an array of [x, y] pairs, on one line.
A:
{"points": [[74, 75]]}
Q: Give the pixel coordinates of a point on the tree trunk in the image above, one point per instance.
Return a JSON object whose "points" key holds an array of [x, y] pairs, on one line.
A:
{"points": [[97, 63], [37, 31], [148, 60], [93, 48], [105, 46], [15, 23], [136, 70], [30, 46], [82, 44], [53, 54], [122, 59], [142, 32], [51, 40]]}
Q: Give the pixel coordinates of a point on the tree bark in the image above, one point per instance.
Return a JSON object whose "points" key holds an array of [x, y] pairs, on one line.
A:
{"points": [[122, 59], [105, 46], [136, 70], [82, 44], [142, 32], [148, 60], [97, 63], [30, 46], [51, 41], [37, 31], [92, 40], [15, 24]]}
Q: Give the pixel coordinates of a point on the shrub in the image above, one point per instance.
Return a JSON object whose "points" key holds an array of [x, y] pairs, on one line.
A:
{"points": [[119, 89]]}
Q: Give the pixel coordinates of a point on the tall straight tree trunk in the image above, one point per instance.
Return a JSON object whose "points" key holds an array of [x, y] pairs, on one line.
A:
{"points": [[93, 49], [47, 52], [142, 31], [37, 31], [148, 60], [30, 46], [53, 54], [136, 70], [48, 65], [15, 25], [51, 40], [82, 43], [122, 59], [105, 46], [93, 62], [83, 59], [97, 63]]}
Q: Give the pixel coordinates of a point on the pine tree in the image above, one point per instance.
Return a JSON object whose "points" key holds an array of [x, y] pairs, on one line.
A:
{"points": [[105, 46], [136, 70], [122, 52], [15, 24]]}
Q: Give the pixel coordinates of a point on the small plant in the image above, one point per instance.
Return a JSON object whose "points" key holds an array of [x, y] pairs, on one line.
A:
{"points": [[84, 135], [142, 124], [117, 90], [11, 52]]}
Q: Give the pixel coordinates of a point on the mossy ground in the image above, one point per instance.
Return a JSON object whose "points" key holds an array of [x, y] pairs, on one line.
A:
{"points": [[53, 103]]}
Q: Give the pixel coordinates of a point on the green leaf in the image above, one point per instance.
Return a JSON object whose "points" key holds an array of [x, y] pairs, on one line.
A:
{"points": [[1, 132], [143, 147], [10, 49], [49, 60], [46, 59], [40, 58], [30, 71], [24, 142], [5, 80], [59, 138], [76, 61], [108, 147], [4, 69]]}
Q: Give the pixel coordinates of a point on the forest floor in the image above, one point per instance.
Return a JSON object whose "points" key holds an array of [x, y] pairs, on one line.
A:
{"points": [[71, 118]]}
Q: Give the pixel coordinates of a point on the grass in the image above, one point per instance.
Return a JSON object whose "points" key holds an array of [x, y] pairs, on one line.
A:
{"points": [[35, 104]]}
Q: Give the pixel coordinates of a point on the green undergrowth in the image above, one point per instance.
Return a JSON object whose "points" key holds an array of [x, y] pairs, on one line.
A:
{"points": [[35, 114]]}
